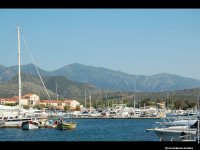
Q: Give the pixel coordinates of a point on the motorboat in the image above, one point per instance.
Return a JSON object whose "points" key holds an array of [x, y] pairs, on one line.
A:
{"points": [[30, 124], [175, 133], [62, 125], [66, 125]]}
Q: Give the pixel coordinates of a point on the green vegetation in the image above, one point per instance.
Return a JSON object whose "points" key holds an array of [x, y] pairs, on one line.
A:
{"points": [[66, 107], [173, 100], [39, 106], [26, 106], [68, 89], [10, 104], [32, 84]]}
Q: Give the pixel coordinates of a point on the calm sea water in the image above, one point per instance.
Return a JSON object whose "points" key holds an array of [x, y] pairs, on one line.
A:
{"points": [[88, 130]]}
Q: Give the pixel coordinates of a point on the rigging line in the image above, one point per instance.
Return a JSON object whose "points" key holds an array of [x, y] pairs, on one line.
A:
{"points": [[36, 68]]}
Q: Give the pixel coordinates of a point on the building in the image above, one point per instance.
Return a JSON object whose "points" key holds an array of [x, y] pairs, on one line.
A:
{"points": [[54, 103], [72, 104], [61, 104], [33, 99], [161, 105], [30, 99], [12, 100], [27, 99]]}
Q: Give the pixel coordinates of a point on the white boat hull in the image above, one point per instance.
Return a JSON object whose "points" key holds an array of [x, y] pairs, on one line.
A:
{"points": [[174, 134], [15, 122], [180, 123], [29, 125], [2, 123]]}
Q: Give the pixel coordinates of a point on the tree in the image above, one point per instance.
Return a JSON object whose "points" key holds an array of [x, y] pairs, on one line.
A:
{"points": [[26, 106], [10, 104], [66, 107], [50, 107], [178, 104], [189, 104], [158, 101], [39, 106], [78, 108], [145, 102]]}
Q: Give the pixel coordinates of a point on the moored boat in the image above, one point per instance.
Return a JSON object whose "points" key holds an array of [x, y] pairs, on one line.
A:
{"points": [[2, 122], [30, 124], [14, 122], [66, 125], [176, 133], [50, 124]]}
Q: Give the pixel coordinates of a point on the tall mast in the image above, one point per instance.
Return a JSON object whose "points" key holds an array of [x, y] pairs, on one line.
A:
{"points": [[90, 102], [56, 92], [19, 66], [134, 96], [122, 98], [85, 99]]}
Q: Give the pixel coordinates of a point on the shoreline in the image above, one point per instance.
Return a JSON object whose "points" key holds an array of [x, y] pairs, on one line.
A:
{"points": [[118, 118]]}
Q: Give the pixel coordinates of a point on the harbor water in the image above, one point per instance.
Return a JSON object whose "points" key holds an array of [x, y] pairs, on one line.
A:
{"points": [[88, 130]]}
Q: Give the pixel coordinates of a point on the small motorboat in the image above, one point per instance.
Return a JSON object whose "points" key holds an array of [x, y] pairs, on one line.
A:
{"points": [[51, 124], [30, 124], [66, 125]]}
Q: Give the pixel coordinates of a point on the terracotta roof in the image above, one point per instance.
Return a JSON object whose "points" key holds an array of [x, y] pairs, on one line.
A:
{"points": [[56, 101], [15, 97], [26, 96], [52, 101], [8, 99]]}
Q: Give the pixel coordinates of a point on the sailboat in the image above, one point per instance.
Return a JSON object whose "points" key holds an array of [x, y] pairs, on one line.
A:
{"points": [[20, 117]]}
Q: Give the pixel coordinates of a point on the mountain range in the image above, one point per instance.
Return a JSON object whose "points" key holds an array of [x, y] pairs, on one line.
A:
{"points": [[104, 78], [55, 85]]}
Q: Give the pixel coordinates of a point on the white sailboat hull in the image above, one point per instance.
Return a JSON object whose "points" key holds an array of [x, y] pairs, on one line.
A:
{"points": [[15, 122]]}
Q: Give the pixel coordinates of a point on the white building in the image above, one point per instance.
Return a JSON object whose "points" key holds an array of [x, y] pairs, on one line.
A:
{"points": [[30, 99]]}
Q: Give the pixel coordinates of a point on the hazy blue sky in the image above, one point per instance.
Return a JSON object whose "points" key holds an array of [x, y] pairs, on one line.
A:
{"points": [[134, 41]]}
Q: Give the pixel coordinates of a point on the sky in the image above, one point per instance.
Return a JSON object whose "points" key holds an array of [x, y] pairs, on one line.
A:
{"points": [[134, 41]]}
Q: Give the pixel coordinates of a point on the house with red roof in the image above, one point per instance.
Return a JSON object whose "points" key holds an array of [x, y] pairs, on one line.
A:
{"points": [[33, 99], [12, 100], [27, 99], [60, 104]]}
